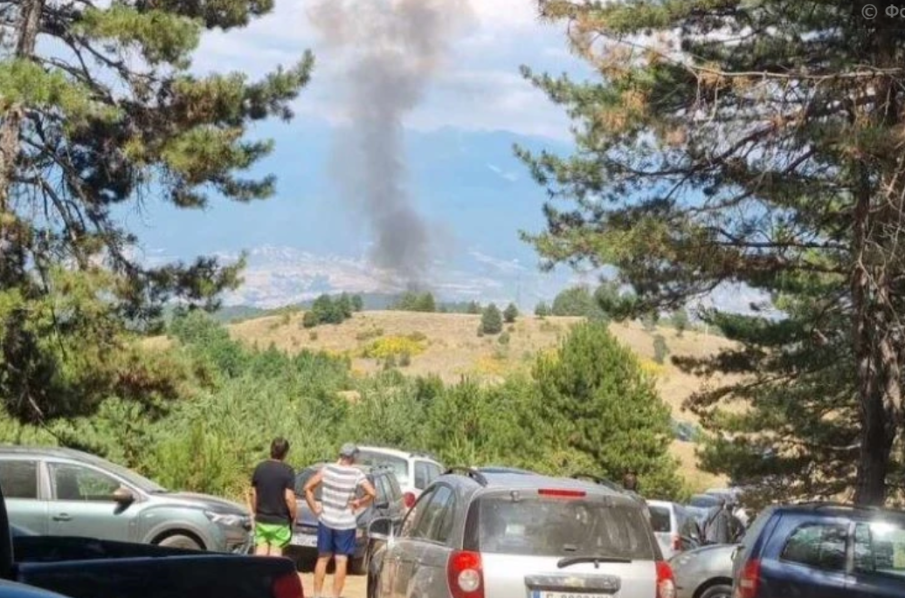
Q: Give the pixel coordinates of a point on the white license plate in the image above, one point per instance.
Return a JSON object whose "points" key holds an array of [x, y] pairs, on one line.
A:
{"points": [[304, 540], [545, 594]]}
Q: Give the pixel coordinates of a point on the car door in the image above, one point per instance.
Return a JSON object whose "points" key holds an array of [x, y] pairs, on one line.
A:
{"points": [[82, 504], [396, 508], [879, 560], [21, 480], [392, 582], [812, 561], [425, 554]]}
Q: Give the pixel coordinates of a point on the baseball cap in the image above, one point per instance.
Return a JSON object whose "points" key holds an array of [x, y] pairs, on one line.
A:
{"points": [[348, 450]]}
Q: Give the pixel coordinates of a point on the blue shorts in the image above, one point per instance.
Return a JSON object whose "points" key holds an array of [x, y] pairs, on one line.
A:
{"points": [[339, 542]]}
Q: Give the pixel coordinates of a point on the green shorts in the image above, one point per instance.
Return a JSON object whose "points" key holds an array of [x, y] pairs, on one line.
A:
{"points": [[273, 534]]}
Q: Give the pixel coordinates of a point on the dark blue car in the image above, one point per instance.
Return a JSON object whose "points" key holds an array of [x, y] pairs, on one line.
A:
{"points": [[822, 550]]}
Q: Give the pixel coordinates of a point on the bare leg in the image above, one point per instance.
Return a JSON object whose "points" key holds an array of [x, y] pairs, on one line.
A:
{"points": [[320, 572], [339, 576]]}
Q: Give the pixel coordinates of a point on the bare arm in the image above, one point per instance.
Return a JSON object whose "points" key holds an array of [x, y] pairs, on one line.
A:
{"points": [[292, 504], [310, 485], [251, 499], [370, 495]]}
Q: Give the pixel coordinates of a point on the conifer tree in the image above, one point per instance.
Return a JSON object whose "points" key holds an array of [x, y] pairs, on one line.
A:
{"points": [[105, 114]]}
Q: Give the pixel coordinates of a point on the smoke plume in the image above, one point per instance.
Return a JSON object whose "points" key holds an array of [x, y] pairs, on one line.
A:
{"points": [[390, 50]]}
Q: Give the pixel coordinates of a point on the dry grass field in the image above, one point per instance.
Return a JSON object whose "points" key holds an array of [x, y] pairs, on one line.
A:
{"points": [[448, 345]]}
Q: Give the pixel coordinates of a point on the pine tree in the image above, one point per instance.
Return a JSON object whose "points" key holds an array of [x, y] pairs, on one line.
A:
{"points": [[491, 320], [511, 313], [771, 159], [357, 303], [102, 115]]}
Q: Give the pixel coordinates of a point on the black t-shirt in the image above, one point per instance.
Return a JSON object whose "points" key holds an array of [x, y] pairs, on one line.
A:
{"points": [[270, 480]]}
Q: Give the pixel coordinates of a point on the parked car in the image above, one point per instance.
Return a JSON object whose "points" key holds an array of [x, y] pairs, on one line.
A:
{"points": [[822, 550], [705, 501], [674, 527], [42, 566], [515, 535], [704, 572], [63, 492], [502, 469], [414, 471], [388, 503]]}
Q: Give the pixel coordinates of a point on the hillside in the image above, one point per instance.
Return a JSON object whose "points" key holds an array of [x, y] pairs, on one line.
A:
{"points": [[450, 348]]}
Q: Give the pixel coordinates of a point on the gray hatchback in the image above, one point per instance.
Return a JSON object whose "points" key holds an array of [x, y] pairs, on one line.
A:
{"points": [[518, 535], [62, 492]]}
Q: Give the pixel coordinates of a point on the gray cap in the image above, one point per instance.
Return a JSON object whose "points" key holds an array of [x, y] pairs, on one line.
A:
{"points": [[348, 450]]}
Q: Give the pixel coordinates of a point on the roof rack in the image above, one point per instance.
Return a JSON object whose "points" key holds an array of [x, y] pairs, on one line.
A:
{"points": [[470, 472]]}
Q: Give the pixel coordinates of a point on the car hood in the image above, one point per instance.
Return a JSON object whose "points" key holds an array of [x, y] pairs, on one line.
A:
{"points": [[205, 501]]}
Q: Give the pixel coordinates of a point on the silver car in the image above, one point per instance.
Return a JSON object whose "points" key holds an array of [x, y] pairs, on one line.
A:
{"points": [[518, 535], [62, 492], [705, 572]]}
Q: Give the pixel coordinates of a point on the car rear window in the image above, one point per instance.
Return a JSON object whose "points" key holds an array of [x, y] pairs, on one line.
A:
{"points": [[542, 526], [660, 519], [399, 465]]}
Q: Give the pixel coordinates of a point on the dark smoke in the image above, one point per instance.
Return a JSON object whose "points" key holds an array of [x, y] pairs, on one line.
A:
{"points": [[392, 49]]}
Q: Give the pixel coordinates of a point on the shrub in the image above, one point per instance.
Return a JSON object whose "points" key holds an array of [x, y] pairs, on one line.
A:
{"points": [[542, 310], [369, 334], [405, 360], [491, 320], [391, 346], [357, 303], [511, 313], [661, 350], [309, 320], [503, 339], [418, 337]]}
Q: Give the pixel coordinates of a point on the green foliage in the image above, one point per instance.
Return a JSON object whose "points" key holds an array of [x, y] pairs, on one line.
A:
{"points": [[599, 406], [661, 350], [310, 319], [491, 320], [542, 310], [578, 302], [104, 112], [740, 160], [510, 313], [369, 334], [503, 338], [421, 302], [357, 303], [327, 310], [474, 308]]}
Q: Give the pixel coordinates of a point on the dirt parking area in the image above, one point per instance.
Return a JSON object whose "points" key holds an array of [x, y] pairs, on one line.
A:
{"points": [[356, 585]]}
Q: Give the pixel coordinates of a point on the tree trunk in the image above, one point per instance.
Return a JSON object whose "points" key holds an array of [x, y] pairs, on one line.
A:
{"points": [[26, 36]]}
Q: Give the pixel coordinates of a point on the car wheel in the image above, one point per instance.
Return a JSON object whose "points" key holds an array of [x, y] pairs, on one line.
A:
{"points": [[717, 591], [180, 541]]}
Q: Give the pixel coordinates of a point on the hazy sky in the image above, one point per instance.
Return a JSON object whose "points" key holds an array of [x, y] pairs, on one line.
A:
{"points": [[479, 88]]}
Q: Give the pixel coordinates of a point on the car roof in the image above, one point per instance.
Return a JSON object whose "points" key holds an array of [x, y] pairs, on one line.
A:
{"points": [[395, 452], [369, 469], [529, 481], [841, 510], [662, 503], [49, 451]]}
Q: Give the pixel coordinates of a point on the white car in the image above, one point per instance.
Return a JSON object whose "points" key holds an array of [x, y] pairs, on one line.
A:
{"points": [[415, 471], [671, 523]]}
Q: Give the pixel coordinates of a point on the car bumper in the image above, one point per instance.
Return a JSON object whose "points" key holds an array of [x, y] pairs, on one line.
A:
{"points": [[304, 541]]}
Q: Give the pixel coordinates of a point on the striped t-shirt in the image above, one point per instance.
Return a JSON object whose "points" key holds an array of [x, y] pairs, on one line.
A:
{"points": [[339, 486]]}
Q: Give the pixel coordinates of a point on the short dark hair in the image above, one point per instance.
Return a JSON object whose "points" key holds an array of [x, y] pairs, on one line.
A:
{"points": [[279, 448], [630, 481]]}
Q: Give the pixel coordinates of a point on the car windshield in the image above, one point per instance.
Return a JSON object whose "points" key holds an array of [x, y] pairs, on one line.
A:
{"points": [[659, 519], [139, 481], [398, 465], [555, 527], [704, 501]]}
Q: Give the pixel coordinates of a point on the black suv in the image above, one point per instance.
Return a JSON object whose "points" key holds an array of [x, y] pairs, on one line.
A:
{"points": [[822, 550], [388, 504]]}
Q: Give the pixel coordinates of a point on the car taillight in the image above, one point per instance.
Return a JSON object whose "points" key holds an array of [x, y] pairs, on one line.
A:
{"points": [[666, 583], [409, 499], [288, 586], [749, 580], [561, 493], [465, 575]]}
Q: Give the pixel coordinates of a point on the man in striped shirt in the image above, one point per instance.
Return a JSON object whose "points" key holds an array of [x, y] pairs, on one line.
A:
{"points": [[337, 515]]}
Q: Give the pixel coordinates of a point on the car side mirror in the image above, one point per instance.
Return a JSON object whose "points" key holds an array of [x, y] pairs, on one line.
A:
{"points": [[381, 529], [123, 497]]}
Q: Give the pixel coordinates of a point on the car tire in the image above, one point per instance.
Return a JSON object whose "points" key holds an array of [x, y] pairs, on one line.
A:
{"points": [[359, 566], [180, 541], [718, 591]]}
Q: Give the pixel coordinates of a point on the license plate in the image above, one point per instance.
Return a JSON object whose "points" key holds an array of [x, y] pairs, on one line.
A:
{"points": [[304, 540], [545, 594]]}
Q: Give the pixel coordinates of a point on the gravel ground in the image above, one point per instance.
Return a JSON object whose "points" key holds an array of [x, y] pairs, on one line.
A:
{"points": [[356, 585]]}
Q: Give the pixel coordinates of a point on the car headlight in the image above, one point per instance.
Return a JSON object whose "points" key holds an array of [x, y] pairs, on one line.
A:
{"points": [[228, 519]]}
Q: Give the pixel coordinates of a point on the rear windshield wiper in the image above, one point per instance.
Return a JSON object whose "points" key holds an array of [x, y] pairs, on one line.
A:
{"points": [[574, 560]]}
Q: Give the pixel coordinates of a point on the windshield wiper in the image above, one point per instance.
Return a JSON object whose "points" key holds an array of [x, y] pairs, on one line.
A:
{"points": [[574, 560]]}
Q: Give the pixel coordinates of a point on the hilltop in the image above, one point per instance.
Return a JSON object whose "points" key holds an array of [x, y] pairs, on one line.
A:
{"points": [[448, 346]]}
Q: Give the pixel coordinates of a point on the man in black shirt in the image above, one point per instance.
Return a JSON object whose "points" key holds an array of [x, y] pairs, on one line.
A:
{"points": [[272, 501]]}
